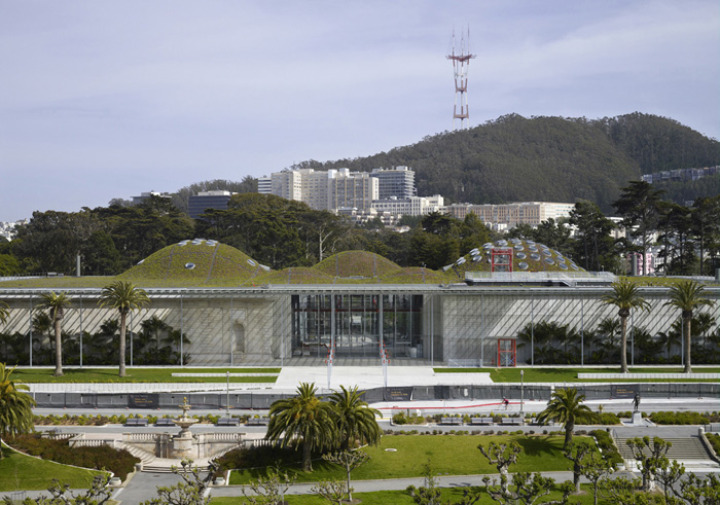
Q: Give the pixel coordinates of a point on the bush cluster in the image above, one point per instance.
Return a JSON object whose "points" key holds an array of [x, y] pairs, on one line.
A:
{"points": [[402, 418], [255, 459], [714, 440], [100, 420], [607, 446], [119, 462], [604, 418], [680, 418]]}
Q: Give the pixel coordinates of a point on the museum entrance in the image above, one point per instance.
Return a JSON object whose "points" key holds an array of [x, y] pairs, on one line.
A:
{"points": [[357, 325]]}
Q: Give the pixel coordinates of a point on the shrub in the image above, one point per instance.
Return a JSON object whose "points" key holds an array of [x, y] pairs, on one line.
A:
{"points": [[607, 446], [119, 462], [678, 418], [255, 459], [607, 418], [399, 418], [714, 440]]}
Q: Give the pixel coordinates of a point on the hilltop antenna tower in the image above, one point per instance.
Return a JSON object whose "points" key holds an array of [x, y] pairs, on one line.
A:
{"points": [[460, 57]]}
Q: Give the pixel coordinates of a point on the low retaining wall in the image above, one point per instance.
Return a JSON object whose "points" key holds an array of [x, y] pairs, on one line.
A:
{"points": [[263, 400]]}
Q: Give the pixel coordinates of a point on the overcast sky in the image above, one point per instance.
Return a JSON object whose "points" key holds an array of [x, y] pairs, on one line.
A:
{"points": [[106, 99]]}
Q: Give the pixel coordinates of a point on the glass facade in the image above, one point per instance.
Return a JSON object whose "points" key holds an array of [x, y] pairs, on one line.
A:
{"points": [[357, 325]]}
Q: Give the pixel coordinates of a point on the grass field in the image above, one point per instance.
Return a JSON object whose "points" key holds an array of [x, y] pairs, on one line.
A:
{"points": [[570, 374], [79, 375], [449, 455], [448, 495], [498, 375], [18, 471]]}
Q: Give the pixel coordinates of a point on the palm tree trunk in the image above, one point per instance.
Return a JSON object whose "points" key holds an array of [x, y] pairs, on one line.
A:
{"points": [[121, 371], [623, 345], [307, 456], [349, 490], [687, 323], [58, 349], [569, 428]]}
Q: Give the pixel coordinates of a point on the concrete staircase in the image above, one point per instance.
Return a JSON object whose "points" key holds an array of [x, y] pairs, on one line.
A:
{"points": [[682, 448], [687, 446]]}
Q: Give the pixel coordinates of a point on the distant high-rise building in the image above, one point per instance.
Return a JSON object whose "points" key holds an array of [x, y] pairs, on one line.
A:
{"points": [[413, 206], [351, 190], [204, 200], [265, 185], [398, 182], [326, 190]]}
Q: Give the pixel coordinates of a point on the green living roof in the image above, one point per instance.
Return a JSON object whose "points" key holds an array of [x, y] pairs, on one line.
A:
{"points": [[206, 263], [196, 261]]}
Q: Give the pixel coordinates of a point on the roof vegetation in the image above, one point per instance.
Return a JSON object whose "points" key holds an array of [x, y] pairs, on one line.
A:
{"points": [[206, 263]]}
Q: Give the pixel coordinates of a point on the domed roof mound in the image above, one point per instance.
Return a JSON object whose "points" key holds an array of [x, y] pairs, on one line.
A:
{"points": [[414, 275], [294, 275], [197, 261], [527, 256], [356, 265]]}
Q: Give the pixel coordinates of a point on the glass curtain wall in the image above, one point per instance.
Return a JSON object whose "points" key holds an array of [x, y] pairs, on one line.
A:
{"points": [[357, 324]]}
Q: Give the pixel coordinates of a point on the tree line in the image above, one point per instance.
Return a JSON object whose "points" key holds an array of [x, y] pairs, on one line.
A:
{"points": [[282, 233], [687, 237]]}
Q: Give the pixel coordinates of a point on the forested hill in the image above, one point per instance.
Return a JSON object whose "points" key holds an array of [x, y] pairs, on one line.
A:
{"points": [[544, 158]]}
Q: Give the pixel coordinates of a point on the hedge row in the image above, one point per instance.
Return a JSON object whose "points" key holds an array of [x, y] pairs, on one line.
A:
{"points": [[684, 418], [119, 462], [607, 446]]}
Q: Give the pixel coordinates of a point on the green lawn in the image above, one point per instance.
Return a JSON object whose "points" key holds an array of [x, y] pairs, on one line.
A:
{"points": [[451, 495], [36, 375], [449, 454], [570, 374], [20, 472]]}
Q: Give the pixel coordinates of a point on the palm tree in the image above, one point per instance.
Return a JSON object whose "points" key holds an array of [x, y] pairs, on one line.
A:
{"points": [[56, 304], [356, 421], [302, 420], [124, 297], [566, 406], [687, 295], [15, 406], [625, 296]]}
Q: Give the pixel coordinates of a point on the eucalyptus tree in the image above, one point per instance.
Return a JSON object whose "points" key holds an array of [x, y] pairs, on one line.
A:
{"points": [[56, 305], [639, 207], [594, 245], [124, 297], [687, 296], [625, 296]]}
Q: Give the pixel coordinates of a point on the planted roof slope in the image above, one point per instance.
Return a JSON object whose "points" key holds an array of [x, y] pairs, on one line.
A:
{"points": [[294, 275], [196, 262], [528, 256], [357, 265]]}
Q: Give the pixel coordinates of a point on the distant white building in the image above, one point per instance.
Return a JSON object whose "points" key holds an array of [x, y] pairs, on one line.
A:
{"points": [[265, 185], [509, 215], [412, 206]]}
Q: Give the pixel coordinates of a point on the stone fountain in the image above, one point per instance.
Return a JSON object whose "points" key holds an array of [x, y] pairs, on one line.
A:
{"points": [[182, 444], [170, 449]]}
